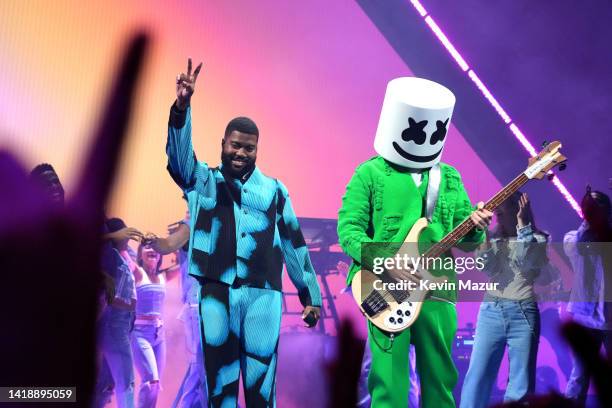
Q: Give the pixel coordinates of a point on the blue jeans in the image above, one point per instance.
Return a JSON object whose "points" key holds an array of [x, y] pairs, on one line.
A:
{"points": [[149, 347], [116, 369], [192, 392], [502, 323], [578, 383]]}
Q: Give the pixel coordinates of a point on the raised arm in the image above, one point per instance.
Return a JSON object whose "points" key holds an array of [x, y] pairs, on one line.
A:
{"points": [[182, 162], [173, 241], [530, 251], [123, 235]]}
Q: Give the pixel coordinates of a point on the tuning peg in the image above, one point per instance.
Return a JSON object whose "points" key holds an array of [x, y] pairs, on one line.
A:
{"points": [[544, 143], [562, 166]]}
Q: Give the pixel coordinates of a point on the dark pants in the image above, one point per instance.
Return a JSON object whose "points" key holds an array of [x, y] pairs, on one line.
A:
{"points": [[578, 384]]}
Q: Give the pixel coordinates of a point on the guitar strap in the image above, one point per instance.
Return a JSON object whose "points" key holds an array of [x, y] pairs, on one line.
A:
{"points": [[433, 189]]}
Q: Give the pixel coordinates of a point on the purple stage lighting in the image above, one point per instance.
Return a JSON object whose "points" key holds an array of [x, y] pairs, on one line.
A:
{"points": [[489, 97]]}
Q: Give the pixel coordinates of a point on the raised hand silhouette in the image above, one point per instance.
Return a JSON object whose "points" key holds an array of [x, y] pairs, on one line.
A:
{"points": [[50, 256]]}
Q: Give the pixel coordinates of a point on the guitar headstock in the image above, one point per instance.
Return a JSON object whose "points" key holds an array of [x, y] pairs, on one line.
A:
{"points": [[545, 161]]}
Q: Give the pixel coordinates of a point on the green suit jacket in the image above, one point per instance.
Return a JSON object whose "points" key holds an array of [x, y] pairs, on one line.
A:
{"points": [[382, 203]]}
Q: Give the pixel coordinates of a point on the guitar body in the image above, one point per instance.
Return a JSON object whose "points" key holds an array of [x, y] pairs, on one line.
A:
{"points": [[396, 316]]}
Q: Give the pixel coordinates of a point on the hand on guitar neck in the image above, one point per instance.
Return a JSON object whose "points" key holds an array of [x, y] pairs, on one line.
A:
{"points": [[481, 217]]}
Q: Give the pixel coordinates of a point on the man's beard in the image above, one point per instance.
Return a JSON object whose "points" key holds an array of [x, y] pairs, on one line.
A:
{"points": [[226, 159]]}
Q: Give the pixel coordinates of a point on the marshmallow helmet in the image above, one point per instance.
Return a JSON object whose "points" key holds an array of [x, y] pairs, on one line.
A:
{"points": [[413, 123]]}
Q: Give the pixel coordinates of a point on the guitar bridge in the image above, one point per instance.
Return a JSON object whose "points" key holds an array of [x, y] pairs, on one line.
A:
{"points": [[374, 303]]}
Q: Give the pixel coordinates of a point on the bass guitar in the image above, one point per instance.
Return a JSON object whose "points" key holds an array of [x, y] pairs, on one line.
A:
{"points": [[395, 310]]}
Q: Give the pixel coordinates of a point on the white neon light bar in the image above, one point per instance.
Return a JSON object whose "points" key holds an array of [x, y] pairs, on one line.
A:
{"points": [[447, 44], [489, 97]]}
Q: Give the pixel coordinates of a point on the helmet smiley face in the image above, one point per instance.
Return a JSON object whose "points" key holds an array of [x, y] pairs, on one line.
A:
{"points": [[426, 107], [416, 133]]}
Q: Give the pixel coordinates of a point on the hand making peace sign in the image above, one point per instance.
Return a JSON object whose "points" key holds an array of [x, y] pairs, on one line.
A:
{"points": [[185, 85]]}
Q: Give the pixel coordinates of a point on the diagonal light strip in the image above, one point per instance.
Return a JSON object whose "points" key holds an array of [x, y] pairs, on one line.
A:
{"points": [[447, 44], [489, 97], [521, 138]]}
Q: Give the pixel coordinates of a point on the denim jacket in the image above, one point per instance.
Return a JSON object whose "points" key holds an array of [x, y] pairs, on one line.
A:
{"points": [[515, 263], [587, 299], [115, 266]]}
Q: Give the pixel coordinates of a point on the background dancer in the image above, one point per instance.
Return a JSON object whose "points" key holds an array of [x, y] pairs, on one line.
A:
{"points": [[509, 316], [149, 338], [590, 304], [116, 321], [45, 177], [192, 392]]}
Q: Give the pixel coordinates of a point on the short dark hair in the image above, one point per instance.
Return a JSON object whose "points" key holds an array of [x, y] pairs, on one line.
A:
{"points": [[243, 125], [40, 169], [115, 224]]}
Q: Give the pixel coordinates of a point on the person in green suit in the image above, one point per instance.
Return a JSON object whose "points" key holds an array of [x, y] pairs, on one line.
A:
{"points": [[383, 200]]}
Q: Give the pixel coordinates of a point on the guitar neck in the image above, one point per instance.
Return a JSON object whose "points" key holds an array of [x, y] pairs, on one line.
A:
{"points": [[466, 226]]}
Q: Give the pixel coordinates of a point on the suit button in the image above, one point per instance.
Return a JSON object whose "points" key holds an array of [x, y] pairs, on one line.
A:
{"points": [[245, 191], [243, 234], [245, 211]]}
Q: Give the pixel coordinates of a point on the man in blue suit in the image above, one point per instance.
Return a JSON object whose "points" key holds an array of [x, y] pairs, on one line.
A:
{"points": [[242, 228]]}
